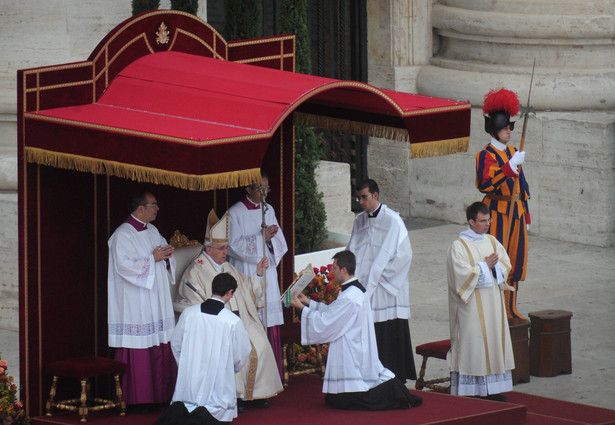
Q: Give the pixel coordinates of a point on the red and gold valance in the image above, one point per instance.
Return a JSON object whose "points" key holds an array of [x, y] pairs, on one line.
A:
{"points": [[200, 123]]}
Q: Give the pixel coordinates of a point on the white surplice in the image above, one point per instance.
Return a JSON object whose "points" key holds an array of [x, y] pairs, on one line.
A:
{"points": [[481, 356], [140, 309], [209, 350], [383, 252], [246, 250], [260, 378], [347, 324]]}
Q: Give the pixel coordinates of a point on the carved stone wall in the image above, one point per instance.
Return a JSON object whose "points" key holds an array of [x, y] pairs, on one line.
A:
{"points": [[480, 45]]}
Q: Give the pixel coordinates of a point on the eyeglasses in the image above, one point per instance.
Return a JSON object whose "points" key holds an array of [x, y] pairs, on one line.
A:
{"points": [[364, 197], [486, 221], [265, 189], [154, 205]]}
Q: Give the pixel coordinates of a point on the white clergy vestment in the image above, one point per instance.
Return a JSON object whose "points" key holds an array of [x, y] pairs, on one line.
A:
{"points": [[480, 336], [209, 350], [383, 252], [140, 309], [347, 324], [246, 250], [260, 377]]}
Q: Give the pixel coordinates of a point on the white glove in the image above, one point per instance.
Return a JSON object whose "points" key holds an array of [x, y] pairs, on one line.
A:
{"points": [[517, 159]]}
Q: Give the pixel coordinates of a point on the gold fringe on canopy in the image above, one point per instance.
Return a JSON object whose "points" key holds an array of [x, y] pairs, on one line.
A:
{"points": [[143, 174], [354, 127], [439, 147], [417, 150]]}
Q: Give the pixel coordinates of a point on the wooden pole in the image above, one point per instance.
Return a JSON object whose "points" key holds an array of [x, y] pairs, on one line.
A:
{"points": [[515, 194]]}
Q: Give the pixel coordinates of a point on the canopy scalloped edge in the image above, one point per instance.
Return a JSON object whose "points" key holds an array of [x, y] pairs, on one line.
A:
{"points": [[417, 150], [142, 174]]}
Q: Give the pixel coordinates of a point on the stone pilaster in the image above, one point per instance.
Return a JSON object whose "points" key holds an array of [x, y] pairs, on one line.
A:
{"points": [[399, 45], [569, 144], [333, 180]]}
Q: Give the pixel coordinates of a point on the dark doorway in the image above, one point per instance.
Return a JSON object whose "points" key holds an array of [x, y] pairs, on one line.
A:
{"points": [[338, 42]]}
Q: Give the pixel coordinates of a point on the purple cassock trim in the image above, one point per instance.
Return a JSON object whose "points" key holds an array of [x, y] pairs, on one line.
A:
{"points": [[250, 205], [150, 374], [136, 223]]}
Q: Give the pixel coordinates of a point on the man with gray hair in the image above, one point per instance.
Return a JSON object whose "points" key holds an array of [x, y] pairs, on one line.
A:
{"points": [[260, 379]]}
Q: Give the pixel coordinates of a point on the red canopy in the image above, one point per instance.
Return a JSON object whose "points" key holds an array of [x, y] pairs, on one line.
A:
{"points": [[164, 100], [166, 115]]}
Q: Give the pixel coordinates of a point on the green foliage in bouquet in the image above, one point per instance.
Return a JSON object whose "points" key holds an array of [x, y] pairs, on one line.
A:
{"points": [[11, 409]]}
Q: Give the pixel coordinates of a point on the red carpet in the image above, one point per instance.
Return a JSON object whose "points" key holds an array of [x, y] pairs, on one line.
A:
{"points": [[547, 410], [303, 404]]}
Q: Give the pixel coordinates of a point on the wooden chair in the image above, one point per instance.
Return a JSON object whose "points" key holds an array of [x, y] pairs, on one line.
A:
{"points": [[438, 350]]}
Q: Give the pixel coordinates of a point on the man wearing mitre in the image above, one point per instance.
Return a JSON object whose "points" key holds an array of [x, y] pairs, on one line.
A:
{"points": [[259, 379]]}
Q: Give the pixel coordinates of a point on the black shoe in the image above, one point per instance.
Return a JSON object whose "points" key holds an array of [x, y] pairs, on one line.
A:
{"points": [[497, 397], [138, 409], [241, 407], [261, 403]]}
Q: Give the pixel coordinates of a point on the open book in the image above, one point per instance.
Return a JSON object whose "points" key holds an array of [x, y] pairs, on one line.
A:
{"points": [[302, 280]]}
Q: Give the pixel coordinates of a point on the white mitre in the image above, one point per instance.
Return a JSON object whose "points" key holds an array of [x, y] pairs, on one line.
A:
{"points": [[217, 229]]}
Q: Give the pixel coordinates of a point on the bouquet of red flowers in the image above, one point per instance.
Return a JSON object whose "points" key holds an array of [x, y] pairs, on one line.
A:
{"points": [[323, 287], [11, 409]]}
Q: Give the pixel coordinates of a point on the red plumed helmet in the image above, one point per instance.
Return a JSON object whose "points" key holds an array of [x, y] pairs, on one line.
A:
{"points": [[499, 106], [501, 100]]}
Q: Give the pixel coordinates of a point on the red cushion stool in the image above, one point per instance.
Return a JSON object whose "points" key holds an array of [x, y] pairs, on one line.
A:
{"points": [[84, 368], [439, 350]]}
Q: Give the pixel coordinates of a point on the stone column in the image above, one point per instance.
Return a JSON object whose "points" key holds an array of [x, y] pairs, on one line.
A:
{"points": [[570, 144], [399, 44]]}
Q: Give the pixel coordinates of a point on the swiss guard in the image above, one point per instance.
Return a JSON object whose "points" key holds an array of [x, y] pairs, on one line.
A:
{"points": [[500, 177]]}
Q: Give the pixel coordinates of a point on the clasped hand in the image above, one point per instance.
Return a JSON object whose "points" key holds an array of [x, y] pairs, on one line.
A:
{"points": [[270, 232], [492, 260], [163, 252]]}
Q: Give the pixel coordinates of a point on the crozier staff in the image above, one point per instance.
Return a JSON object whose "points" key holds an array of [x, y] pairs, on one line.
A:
{"points": [[255, 233]]}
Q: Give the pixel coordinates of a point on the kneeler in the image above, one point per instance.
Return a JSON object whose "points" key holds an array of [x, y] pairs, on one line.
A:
{"points": [[438, 350], [84, 368]]}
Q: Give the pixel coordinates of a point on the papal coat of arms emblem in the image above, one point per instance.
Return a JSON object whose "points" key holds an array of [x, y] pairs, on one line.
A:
{"points": [[162, 35]]}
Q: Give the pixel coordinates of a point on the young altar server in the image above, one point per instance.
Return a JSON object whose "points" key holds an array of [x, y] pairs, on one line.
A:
{"points": [[481, 356], [354, 377], [210, 345], [380, 242]]}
